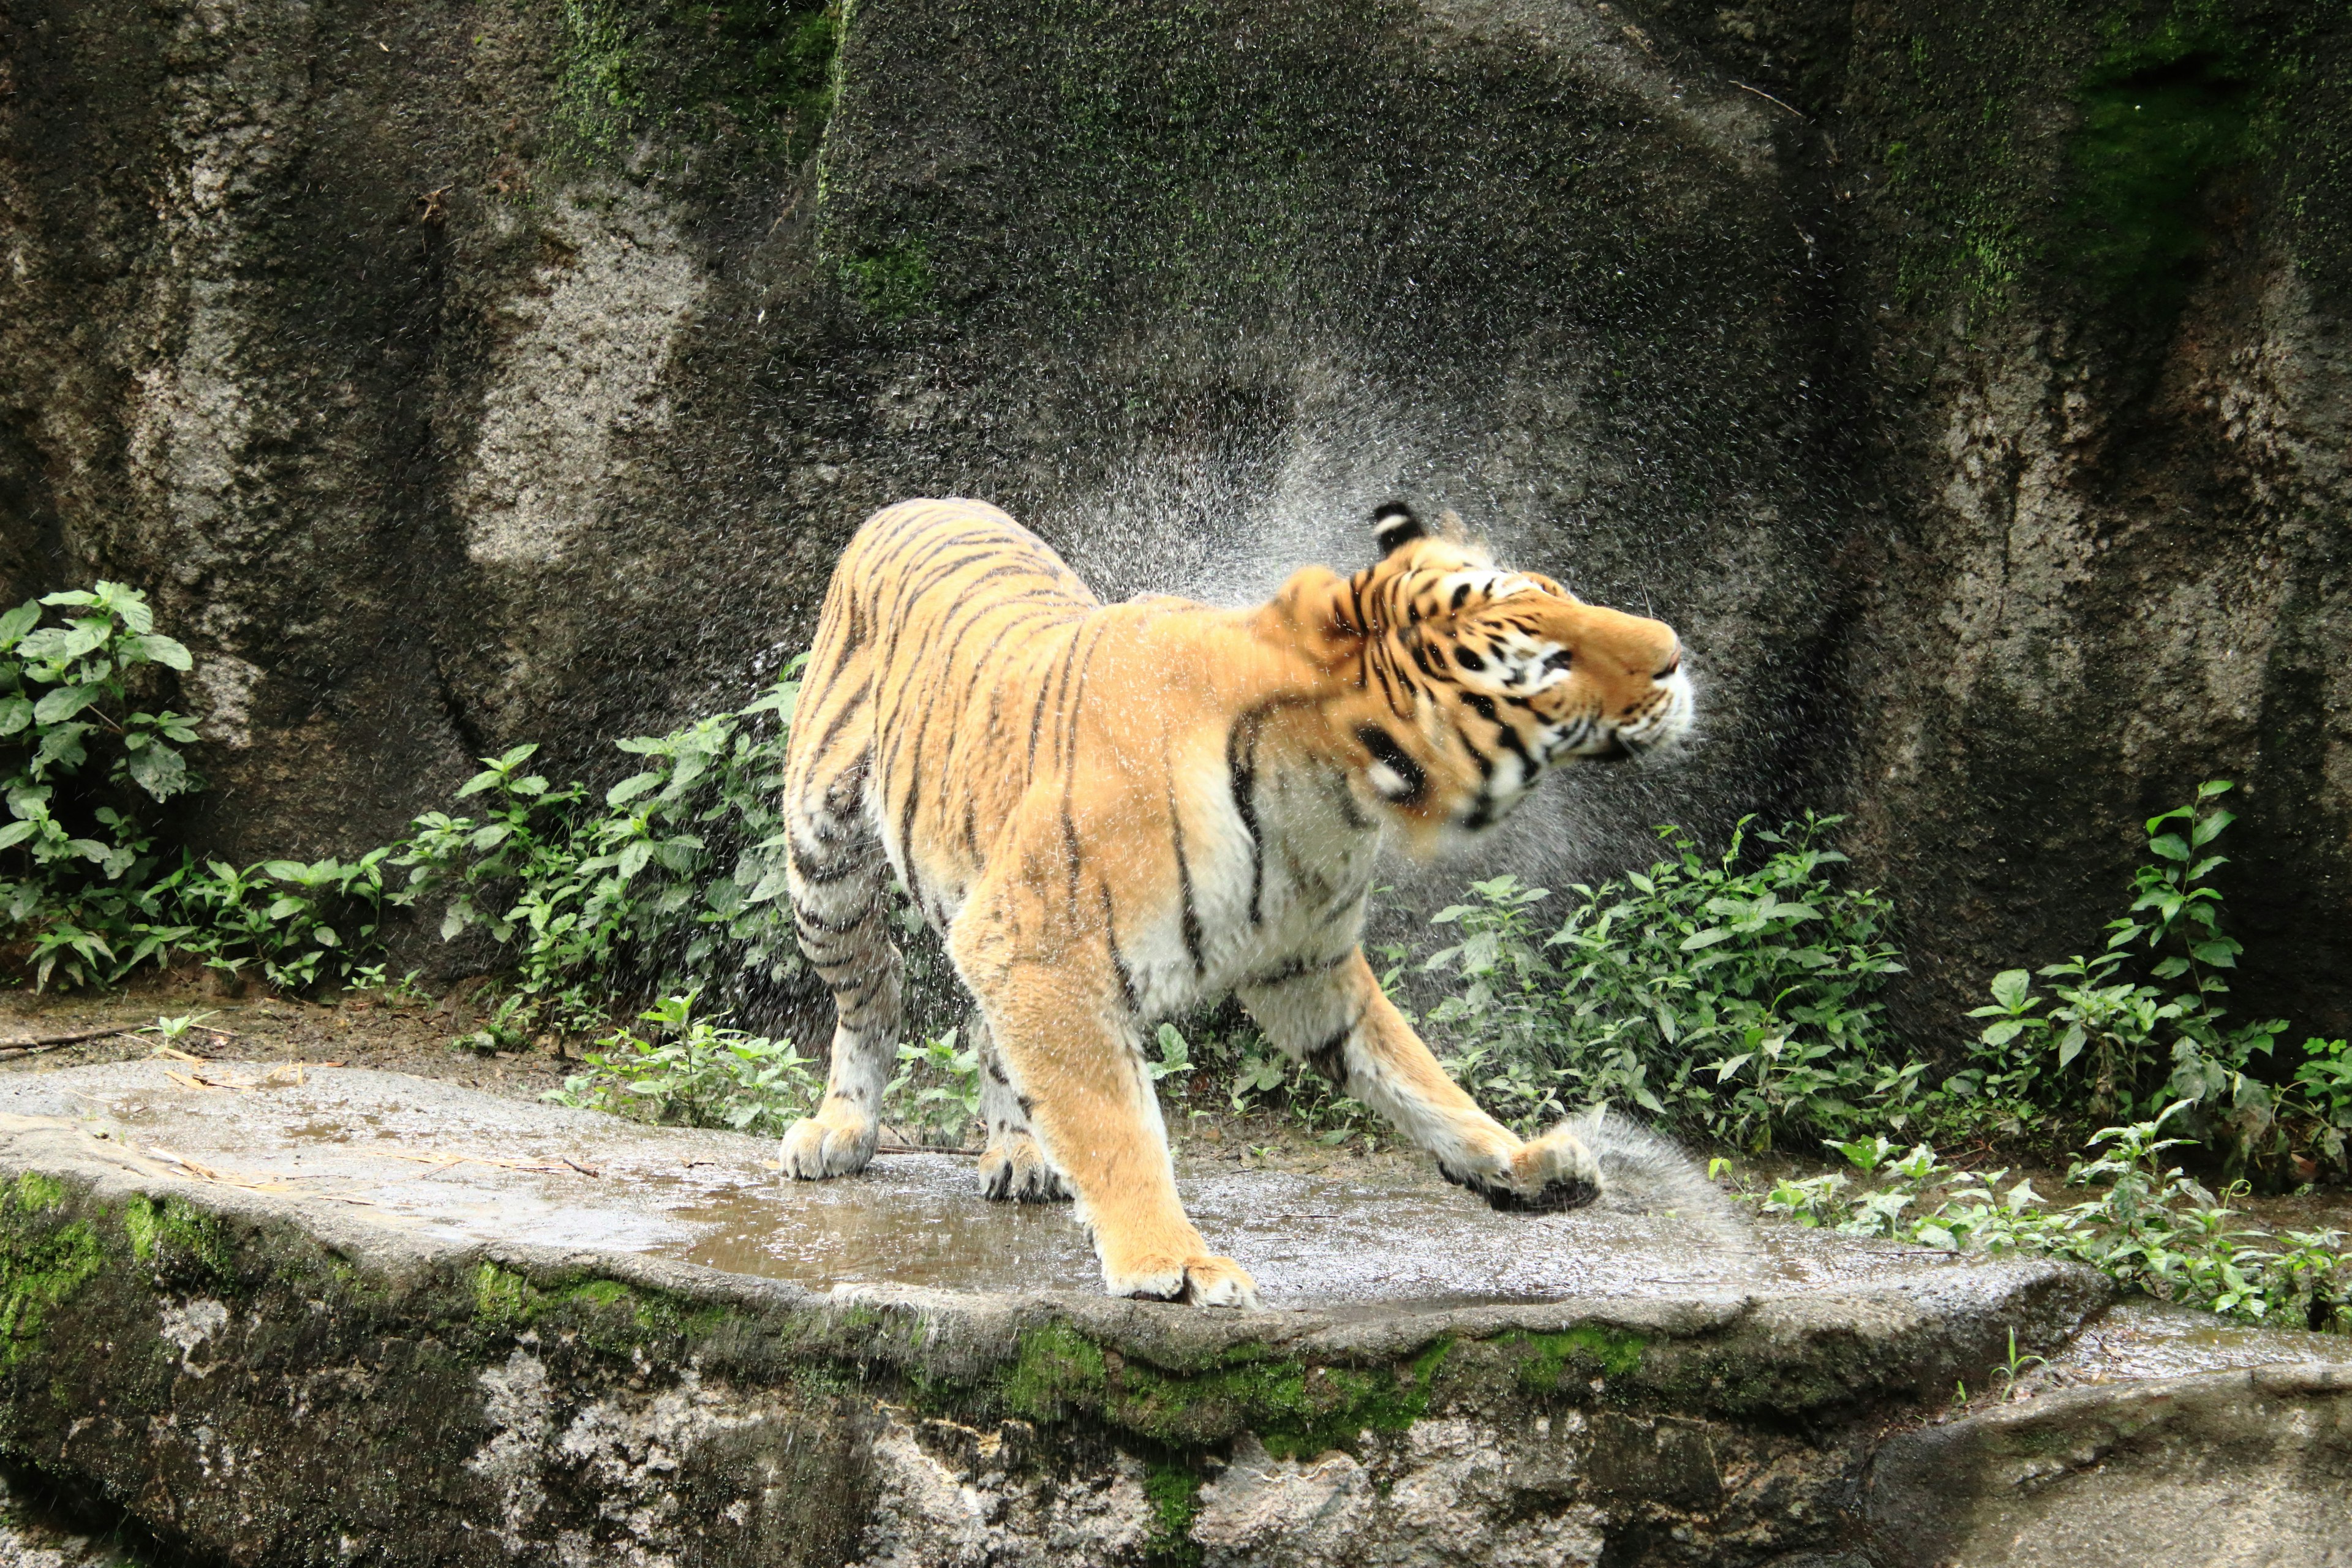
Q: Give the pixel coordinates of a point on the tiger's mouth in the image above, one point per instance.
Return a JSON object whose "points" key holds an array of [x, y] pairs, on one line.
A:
{"points": [[1663, 720]]}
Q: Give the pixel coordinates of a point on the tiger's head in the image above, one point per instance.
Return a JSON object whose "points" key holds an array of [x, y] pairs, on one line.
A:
{"points": [[1458, 683]]}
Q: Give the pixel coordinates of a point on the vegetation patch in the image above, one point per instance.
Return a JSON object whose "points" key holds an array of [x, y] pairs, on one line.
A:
{"points": [[1294, 1408], [1174, 1492], [43, 1263], [1550, 1362], [700, 71], [893, 283], [2163, 112]]}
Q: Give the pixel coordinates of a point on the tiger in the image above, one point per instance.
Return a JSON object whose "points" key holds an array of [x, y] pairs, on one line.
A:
{"points": [[1110, 814]]}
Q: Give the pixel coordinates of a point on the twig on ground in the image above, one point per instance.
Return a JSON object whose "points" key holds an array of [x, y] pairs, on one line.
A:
{"points": [[50, 1042]]}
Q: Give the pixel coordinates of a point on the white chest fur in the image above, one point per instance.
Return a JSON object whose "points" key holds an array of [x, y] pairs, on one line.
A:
{"points": [[1274, 868]]}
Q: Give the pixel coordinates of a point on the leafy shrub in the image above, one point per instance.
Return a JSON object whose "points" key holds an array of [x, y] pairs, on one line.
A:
{"points": [[692, 1070], [2140, 1026], [1738, 1002], [2153, 1228], [83, 760], [673, 881]]}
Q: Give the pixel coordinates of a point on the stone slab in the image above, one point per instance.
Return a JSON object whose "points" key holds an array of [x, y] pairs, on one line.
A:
{"points": [[276, 1325], [2244, 1469]]}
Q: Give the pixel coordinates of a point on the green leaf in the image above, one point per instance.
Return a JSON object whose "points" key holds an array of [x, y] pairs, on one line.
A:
{"points": [[2010, 987], [17, 833], [15, 713], [167, 651], [2220, 954], [17, 622], [160, 771], [634, 858], [2210, 828], [66, 702], [2070, 1045], [1707, 938], [629, 788], [2170, 845], [325, 936]]}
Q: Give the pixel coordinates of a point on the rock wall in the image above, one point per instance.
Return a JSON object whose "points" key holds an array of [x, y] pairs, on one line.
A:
{"points": [[463, 374]]}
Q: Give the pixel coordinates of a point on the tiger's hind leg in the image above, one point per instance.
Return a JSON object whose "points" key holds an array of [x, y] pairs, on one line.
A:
{"points": [[839, 884], [1014, 1167]]}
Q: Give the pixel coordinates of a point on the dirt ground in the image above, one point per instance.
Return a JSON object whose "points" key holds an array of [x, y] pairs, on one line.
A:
{"points": [[418, 1037]]}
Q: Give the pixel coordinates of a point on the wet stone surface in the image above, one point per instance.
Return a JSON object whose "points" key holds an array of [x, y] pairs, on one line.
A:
{"points": [[463, 1166]]}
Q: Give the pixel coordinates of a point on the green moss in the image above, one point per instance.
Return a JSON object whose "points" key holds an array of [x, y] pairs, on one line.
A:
{"points": [[39, 1271], [701, 69], [501, 1300], [892, 284], [1292, 1406], [37, 1193], [600, 1292], [174, 1233], [1055, 1368], [2164, 110], [1550, 1361], [1174, 1492], [140, 1227]]}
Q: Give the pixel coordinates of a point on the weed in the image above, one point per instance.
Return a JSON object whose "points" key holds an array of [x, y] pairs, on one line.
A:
{"points": [[693, 1071], [1736, 1002]]}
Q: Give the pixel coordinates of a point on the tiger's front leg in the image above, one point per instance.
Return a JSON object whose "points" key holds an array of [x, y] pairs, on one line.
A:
{"points": [[1073, 1056], [1333, 1015]]}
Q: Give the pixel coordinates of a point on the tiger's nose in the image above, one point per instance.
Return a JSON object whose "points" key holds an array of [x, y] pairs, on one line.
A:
{"points": [[1673, 662]]}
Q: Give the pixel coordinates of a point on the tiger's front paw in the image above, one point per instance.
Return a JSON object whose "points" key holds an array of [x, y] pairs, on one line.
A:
{"points": [[1555, 1171], [1015, 1169], [1202, 1280], [835, 1142]]}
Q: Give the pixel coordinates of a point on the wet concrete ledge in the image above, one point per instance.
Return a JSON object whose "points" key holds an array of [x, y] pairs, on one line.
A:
{"points": [[266, 1378]]}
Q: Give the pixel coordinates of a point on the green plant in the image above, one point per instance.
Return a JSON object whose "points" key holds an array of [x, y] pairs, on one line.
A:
{"points": [[171, 1030], [302, 923], [2014, 1365], [2150, 1226], [369, 980], [2098, 1045], [1732, 999], [693, 1071], [937, 1089], [2323, 1091], [86, 751], [671, 883]]}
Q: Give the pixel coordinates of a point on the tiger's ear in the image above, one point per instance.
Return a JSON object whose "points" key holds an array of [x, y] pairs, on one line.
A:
{"points": [[1312, 613], [1394, 526], [1450, 529]]}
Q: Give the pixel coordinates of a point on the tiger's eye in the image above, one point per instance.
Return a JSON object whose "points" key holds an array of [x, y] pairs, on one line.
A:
{"points": [[1560, 659]]}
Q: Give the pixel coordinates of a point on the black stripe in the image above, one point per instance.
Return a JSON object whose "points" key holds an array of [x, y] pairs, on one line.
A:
{"points": [[1241, 778], [1330, 1059], [1384, 749], [1297, 969], [1191, 921], [1117, 959]]}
